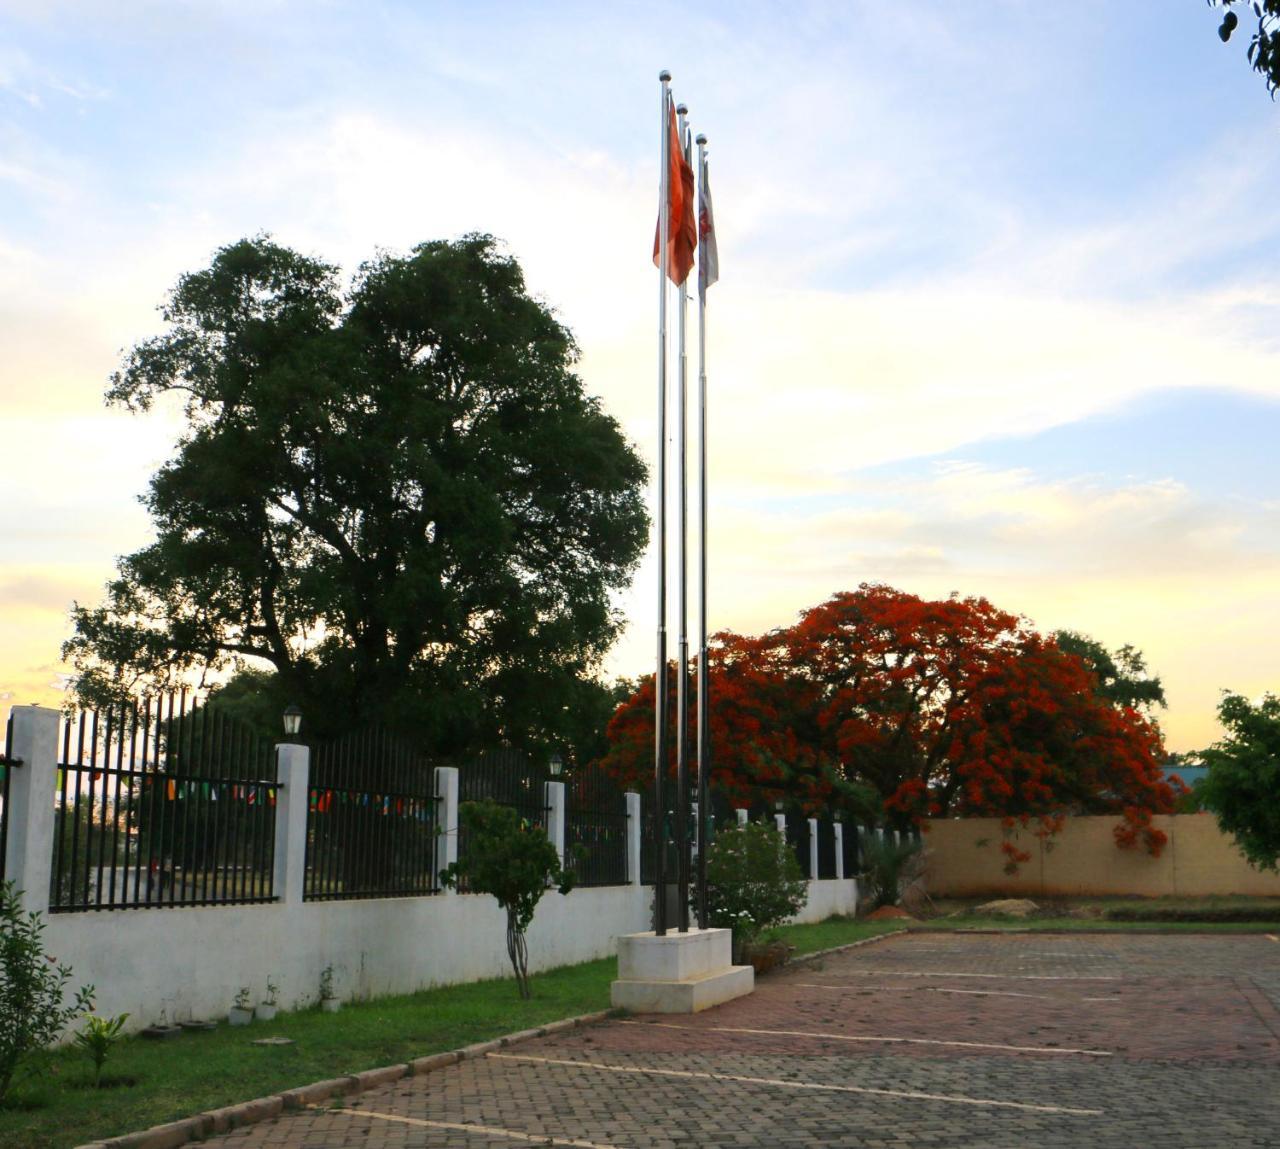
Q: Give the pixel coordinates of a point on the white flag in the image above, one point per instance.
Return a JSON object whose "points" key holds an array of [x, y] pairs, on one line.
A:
{"points": [[708, 256]]}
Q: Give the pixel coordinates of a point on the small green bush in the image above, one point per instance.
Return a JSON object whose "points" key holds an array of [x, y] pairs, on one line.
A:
{"points": [[754, 882], [516, 863], [31, 988], [97, 1038]]}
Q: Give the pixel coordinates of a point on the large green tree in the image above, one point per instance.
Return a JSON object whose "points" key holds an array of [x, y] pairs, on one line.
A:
{"points": [[397, 495], [1242, 787], [1121, 678]]}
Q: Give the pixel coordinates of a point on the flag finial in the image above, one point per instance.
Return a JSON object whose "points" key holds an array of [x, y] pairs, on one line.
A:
{"points": [[664, 75], [682, 109], [700, 140]]}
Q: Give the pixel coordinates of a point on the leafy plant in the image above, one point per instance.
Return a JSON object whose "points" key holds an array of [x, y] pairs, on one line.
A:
{"points": [[885, 864], [1242, 787], [32, 985], [753, 881], [244, 998], [516, 863], [97, 1038], [273, 993]]}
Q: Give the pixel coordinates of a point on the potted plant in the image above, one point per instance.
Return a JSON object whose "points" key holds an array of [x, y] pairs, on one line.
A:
{"points": [[241, 1013], [329, 1001], [265, 1010]]}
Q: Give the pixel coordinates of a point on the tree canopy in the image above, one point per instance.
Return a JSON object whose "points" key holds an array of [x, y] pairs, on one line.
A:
{"points": [[879, 701], [397, 495], [1264, 45], [1242, 787]]}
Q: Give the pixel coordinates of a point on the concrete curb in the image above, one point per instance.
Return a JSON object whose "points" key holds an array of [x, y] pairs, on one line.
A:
{"points": [[840, 949], [174, 1134]]}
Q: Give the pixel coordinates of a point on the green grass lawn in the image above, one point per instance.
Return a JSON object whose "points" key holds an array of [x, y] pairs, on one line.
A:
{"points": [[1093, 925], [833, 932], [1227, 913], [198, 1071]]}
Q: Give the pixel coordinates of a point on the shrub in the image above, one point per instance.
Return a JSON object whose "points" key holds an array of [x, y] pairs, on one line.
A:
{"points": [[516, 863], [31, 989], [753, 881], [97, 1038], [884, 864]]}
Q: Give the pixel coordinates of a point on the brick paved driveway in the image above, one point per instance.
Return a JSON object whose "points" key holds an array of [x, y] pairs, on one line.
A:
{"points": [[925, 1040]]}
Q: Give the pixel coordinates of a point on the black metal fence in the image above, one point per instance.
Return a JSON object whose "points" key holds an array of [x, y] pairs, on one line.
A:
{"points": [[507, 777], [7, 766], [798, 840], [372, 819], [852, 850], [595, 834], [826, 849], [648, 846], [166, 803]]}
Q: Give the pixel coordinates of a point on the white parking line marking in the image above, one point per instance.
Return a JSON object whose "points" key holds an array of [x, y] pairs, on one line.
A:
{"points": [[813, 1085], [486, 1130], [874, 1039], [989, 992]]}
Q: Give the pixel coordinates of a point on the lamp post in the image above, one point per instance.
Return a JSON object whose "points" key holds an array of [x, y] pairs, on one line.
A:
{"points": [[555, 765], [292, 721]]}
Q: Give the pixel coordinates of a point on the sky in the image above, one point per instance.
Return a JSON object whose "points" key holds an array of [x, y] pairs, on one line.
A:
{"points": [[999, 309]]}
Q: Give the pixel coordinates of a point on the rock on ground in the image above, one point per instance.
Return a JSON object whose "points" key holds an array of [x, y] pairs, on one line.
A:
{"points": [[1007, 908]]}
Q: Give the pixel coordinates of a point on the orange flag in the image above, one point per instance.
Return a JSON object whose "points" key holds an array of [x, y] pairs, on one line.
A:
{"points": [[682, 225]]}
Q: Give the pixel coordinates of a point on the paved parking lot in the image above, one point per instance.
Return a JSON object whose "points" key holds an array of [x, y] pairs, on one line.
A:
{"points": [[923, 1040]]}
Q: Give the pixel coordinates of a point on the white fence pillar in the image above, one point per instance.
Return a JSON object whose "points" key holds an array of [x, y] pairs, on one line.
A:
{"points": [[839, 834], [744, 816], [553, 800], [30, 816], [813, 849], [634, 829], [293, 773], [447, 810]]}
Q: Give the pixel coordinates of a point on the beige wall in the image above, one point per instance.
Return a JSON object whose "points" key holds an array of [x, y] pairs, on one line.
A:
{"points": [[1198, 860]]}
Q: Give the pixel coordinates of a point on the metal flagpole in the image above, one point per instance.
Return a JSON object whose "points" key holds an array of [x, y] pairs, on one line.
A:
{"points": [[660, 681], [704, 721], [682, 682]]}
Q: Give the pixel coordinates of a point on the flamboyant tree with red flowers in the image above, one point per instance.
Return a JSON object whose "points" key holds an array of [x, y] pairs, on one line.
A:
{"points": [[763, 725], [933, 707]]}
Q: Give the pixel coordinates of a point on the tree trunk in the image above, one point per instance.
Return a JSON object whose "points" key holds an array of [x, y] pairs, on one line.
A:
{"points": [[518, 951]]}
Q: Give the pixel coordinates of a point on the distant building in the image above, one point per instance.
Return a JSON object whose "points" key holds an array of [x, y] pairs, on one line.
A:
{"points": [[1189, 772]]}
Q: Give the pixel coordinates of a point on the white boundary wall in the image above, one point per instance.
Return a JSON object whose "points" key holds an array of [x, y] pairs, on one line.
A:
{"points": [[189, 963]]}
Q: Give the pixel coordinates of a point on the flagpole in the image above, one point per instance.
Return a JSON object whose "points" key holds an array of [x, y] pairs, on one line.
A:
{"points": [[682, 681], [704, 720], [660, 680]]}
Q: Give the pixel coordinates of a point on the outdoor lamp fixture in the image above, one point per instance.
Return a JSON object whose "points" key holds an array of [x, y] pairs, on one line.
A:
{"points": [[778, 805], [555, 765], [292, 721]]}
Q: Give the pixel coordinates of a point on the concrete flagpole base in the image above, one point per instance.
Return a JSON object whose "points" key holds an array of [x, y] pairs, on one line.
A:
{"points": [[678, 973]]}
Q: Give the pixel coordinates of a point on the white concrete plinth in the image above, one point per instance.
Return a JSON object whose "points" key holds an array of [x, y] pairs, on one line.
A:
{"points": [[678, 973]]}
